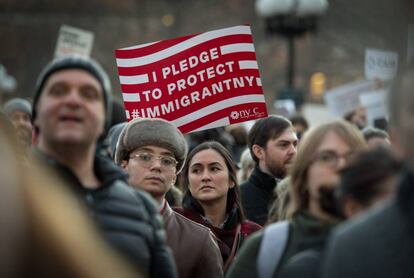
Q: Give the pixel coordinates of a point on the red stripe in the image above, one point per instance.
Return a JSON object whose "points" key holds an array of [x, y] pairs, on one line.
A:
{"points": [[161, 83], [150, 49], [157, 67], [183, 111], [195, 50]]}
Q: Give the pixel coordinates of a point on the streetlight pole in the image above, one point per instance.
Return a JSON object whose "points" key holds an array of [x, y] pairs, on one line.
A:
{"points": [[291, 19], [291, 62]]}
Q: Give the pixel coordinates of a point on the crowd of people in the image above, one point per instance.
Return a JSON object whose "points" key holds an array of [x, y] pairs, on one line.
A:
{"points": [[87, 194]]}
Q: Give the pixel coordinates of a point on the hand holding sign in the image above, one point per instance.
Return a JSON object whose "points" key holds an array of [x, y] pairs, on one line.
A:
{"points": [[196, 82]]}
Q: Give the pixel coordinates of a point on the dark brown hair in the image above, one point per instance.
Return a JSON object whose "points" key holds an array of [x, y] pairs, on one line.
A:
{"points": [[233, 195]]}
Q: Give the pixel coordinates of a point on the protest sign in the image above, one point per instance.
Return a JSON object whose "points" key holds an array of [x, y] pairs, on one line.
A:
{"points": [[375, 103], [73, 41], [344, 99], [380, 64], [196, 82]]}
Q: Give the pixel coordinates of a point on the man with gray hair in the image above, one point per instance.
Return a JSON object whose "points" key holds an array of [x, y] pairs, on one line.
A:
{"points": [[153, 152], [381, 243]]}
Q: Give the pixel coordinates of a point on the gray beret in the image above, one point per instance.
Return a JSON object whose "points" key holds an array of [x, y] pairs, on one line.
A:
{"points": [[17, 104], [158, 132]]}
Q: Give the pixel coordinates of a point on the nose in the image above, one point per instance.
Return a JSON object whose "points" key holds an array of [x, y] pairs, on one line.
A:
{"points": [[156, 164], [205, 176], [73, 98], [341, 163], [292, 150], [21, 121]]}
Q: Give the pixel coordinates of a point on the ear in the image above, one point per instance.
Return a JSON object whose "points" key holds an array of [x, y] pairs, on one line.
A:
{"points": [[351, 207], [124, 164], [258, 151], [232, 184]]}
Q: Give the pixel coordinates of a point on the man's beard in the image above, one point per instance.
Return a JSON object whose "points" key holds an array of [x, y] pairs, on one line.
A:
{"points": [[278, 171]]}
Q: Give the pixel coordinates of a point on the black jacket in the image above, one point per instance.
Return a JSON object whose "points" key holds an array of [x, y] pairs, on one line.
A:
{"points": [[128, 218], [379, 244], [257, 196]]}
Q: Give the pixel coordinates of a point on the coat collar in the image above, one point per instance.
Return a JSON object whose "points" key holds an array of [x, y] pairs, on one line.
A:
{"points": [[405, 195], [262, 180]]}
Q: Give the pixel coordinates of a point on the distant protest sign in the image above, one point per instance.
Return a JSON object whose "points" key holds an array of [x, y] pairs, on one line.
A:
{"points": [[344, 99], [376, 105], [196, 82], [380, 64], [73, 41]]}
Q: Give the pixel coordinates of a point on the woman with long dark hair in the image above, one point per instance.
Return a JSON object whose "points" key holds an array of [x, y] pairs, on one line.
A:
{"points": [[212, 197]]}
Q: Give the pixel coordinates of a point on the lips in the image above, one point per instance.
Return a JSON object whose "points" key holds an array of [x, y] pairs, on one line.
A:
{"points": [[70, 119], [206, 187], [158, 179]]}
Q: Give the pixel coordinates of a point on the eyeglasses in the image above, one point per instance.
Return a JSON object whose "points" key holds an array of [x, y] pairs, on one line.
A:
{"points": [[331, 158], [147, 160]]}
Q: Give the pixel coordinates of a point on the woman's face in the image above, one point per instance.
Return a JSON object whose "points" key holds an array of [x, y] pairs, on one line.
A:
{"points": [[208, 177], [329, 158]]}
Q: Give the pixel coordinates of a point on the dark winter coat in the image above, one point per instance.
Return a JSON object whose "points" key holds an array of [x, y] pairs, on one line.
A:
{"points": [[378, 244], [128, 218], [195, 249], [305, 233], [226, 234], [257, 196]]}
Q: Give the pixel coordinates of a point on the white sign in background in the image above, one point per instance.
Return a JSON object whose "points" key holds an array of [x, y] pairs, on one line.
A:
{"points": [[375, 103], [380, 64], [73, 41], [344, 99]]}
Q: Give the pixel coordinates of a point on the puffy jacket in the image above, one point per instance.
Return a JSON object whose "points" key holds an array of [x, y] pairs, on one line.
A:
{"points": [[127, 217]]}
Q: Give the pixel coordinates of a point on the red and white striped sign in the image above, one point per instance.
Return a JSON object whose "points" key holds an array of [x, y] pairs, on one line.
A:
{"points": [[196, 82]]}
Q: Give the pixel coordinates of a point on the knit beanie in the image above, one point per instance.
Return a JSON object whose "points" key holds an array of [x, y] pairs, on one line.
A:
{"points": [[157, 132], [17, 104], [76, 62]]}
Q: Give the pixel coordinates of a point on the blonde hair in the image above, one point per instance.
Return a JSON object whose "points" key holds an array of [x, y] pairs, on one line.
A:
{"points": [[298, 189], [46, 231]]}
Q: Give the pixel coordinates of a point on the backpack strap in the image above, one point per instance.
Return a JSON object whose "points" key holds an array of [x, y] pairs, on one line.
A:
{"points": [[272, 246]]}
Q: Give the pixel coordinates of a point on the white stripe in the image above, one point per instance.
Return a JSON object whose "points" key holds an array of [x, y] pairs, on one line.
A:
{"points": [[132, 97], [221, 122], [165, 53], [218, 106], [127, 114], [138, 46], [258, 81], [237, 47], [133, 79], [248, 65]]}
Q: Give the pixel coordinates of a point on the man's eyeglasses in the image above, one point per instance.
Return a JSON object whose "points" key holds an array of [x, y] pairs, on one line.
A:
{"points": [[147, 160], [331, 158]]}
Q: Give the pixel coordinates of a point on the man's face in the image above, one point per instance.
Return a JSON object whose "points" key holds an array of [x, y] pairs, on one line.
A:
{"points": [[148, 170], [70, 109], [278, 153], [23, 125]]}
